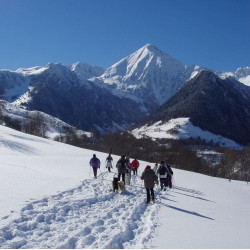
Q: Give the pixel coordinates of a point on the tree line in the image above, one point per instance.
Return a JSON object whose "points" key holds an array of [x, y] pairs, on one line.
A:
{"points": [[234, 164]]}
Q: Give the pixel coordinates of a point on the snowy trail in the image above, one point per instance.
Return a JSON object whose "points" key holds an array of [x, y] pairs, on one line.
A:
{"points": [[88, 216]]}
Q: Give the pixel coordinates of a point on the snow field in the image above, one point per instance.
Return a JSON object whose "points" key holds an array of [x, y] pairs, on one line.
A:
{"points": [[181, 128], [48, 199], [88, 216], [203, 212]]}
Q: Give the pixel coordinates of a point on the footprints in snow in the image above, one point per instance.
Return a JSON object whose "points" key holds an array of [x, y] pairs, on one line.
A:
{"points": [[89, 216]]}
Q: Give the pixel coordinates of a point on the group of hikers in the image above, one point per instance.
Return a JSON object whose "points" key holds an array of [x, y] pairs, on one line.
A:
{"points": [[149, 175]]}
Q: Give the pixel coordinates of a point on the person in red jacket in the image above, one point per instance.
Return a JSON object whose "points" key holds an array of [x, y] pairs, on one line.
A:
{"points": [[135, 165]]}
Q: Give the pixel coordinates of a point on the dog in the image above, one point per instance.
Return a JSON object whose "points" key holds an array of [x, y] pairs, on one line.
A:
{"points": [[115, 184], [121, 186]]}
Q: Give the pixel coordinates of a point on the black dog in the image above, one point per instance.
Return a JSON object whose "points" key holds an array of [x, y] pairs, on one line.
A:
{"points": [[115, 184]]}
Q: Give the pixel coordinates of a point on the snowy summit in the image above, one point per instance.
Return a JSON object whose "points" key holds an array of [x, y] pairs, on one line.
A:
{"points": [[147, 73]]}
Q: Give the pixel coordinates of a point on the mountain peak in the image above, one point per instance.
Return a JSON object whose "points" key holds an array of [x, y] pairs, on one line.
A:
{"points": [[206, 76], [31, 71], [86, 71], [147, 74], [150, 48]]}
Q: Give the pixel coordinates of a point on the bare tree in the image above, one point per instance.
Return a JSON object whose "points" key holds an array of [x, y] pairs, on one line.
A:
{"points": [[35, 125]]}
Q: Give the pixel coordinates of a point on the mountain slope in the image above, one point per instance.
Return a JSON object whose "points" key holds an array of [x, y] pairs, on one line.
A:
{"points": [[148, 74], [67, 208], [241, 74], [49, 126], [85, 71], [181, 128], [212, 104], [58, 91], [117, 98]]}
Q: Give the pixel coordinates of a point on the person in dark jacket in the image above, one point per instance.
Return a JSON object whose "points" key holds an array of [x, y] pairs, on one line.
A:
{"points": [[95, 164], [149, 177], [128, 171], [163, 173], [169, 176], [122, 168]]}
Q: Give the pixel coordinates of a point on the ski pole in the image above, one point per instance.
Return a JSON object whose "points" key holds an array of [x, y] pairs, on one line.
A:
{"points": [[173, 181], [159, 192]]}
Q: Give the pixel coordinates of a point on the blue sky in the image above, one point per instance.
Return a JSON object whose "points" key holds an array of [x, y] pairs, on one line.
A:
{"points": [[211, 33]]}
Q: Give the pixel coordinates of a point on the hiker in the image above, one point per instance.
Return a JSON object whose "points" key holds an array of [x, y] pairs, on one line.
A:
{"points": [[149, 177], [135, 165], [128, 171], [122, 168], [95, 164], [128, 162], [109, 160], [156, 168], [169, 176], [163, 172]]}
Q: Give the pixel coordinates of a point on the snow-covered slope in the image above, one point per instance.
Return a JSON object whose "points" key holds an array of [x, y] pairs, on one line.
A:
{"points": [[241, 74], [32, 71], [53, 126], [16, 84], [86, 71], [13, 85], [48, 199], [181, 128]]}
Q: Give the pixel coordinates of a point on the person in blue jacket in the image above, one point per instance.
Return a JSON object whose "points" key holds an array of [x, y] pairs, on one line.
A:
{"points": [[95, 164]]}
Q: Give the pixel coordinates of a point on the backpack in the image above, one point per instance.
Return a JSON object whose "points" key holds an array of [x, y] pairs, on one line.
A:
{"points": [[95, 162], [162, 170], [123, 164], [109, 158]]}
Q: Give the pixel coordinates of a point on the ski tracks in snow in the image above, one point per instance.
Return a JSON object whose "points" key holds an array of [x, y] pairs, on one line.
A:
{"points": [[88, 216]]}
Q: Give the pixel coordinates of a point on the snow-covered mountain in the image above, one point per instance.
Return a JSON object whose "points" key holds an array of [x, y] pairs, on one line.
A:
{"points": [[149, 75], [241, 74], [63, 92], [110, 100], [50, 200], [85, 71], [221, 107], [14, 84]]}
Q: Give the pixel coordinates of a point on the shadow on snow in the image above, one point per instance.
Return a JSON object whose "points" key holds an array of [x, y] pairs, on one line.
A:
{"points": [[186, 211]]}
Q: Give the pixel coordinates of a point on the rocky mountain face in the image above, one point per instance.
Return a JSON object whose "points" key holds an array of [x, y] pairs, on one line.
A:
{"points": [[219, 106]]}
